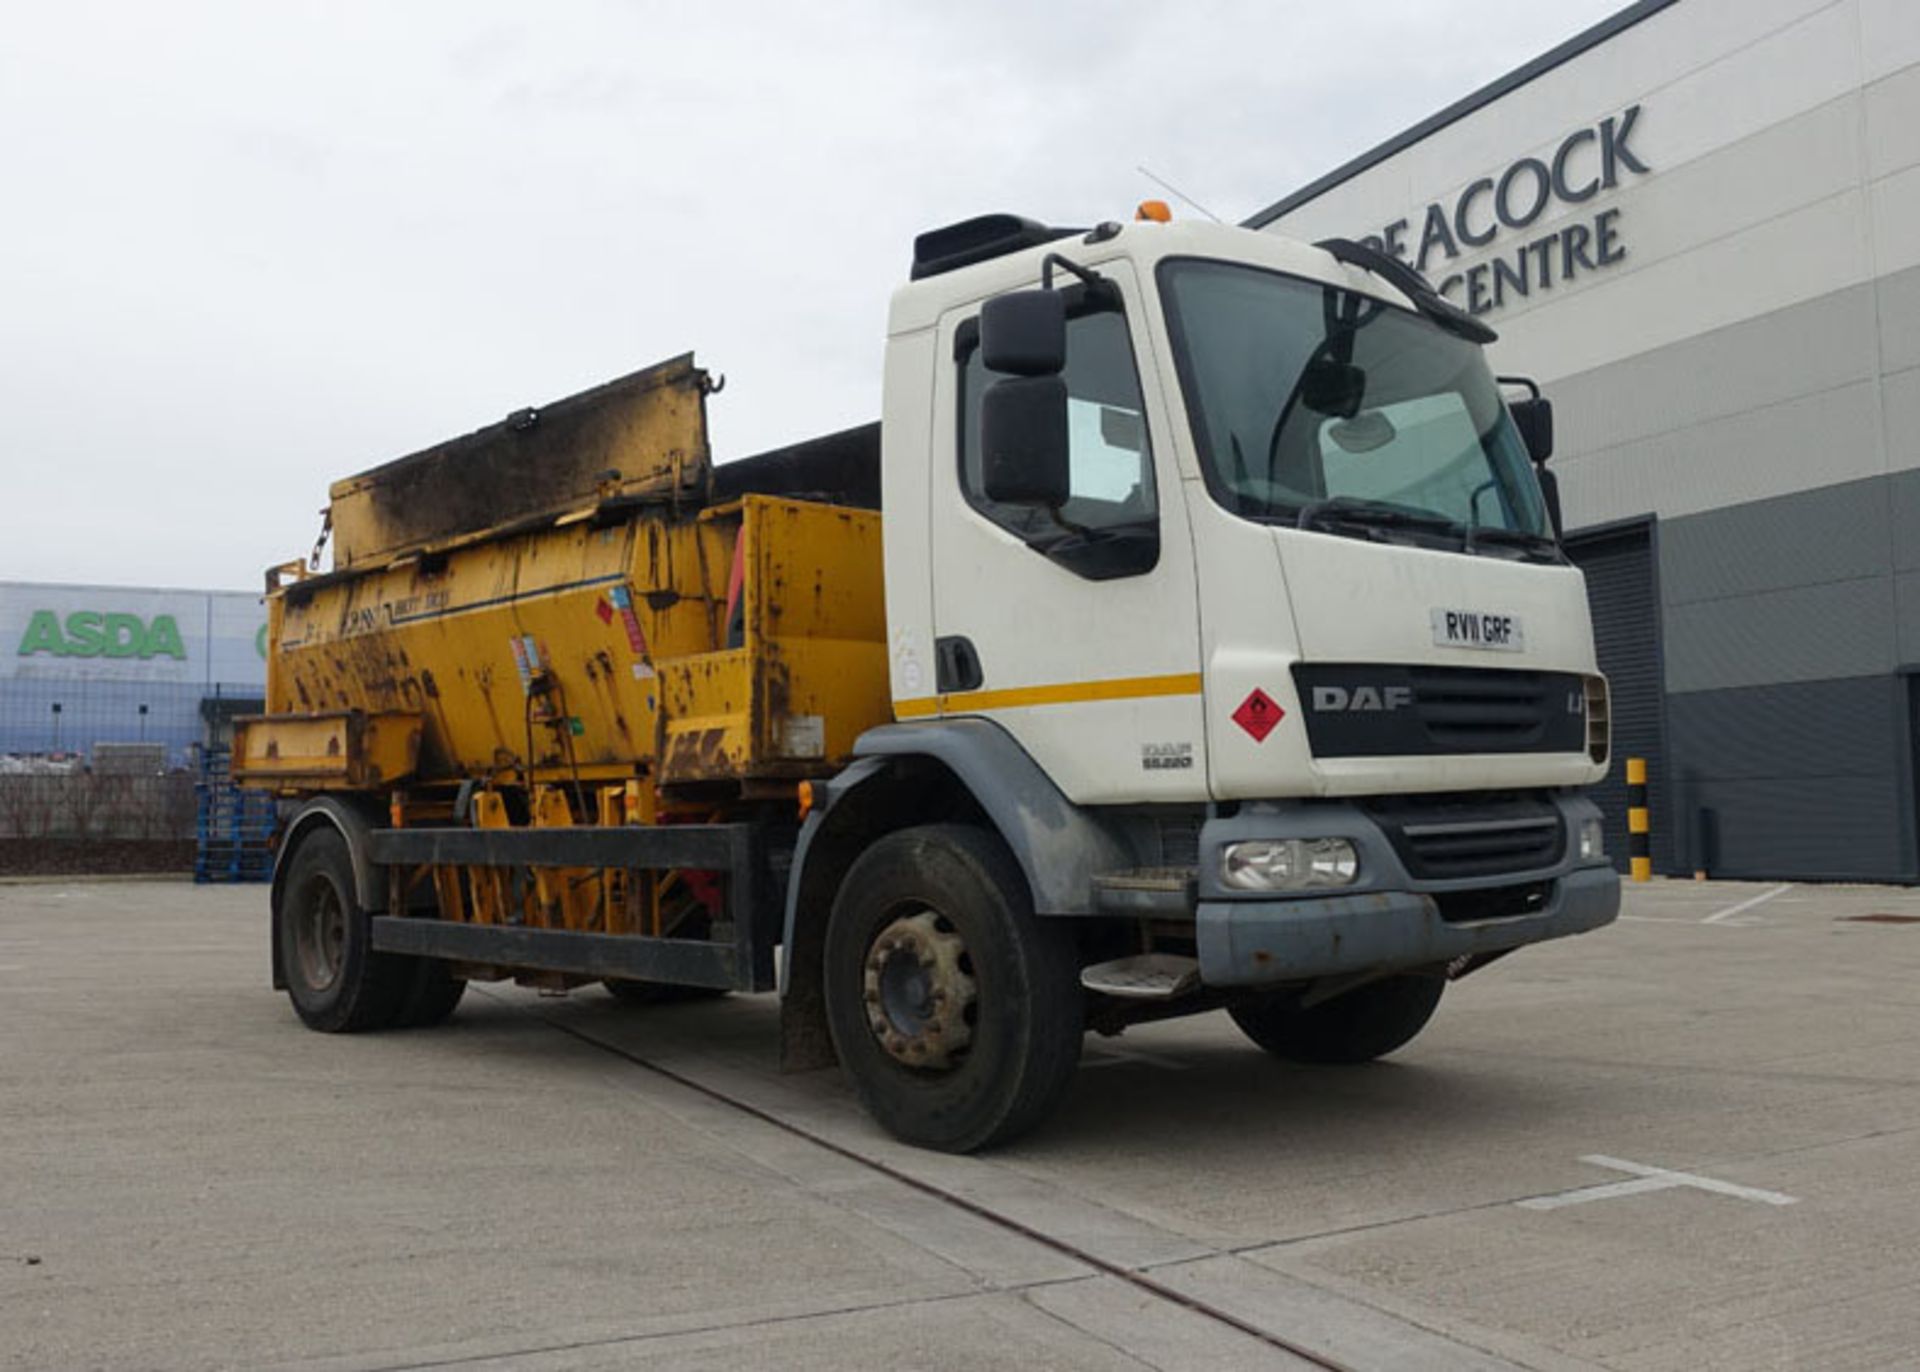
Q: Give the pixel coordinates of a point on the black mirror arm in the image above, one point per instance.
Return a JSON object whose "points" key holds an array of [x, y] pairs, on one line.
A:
{"points": [[1411, 284], [1091, 277], [1550, 495]]}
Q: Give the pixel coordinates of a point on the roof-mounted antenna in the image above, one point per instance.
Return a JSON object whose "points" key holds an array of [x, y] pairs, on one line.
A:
{"points": [[1177, 193]]}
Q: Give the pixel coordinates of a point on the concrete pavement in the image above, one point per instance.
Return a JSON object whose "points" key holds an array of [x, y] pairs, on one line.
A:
{"points": [[188, 1179]]}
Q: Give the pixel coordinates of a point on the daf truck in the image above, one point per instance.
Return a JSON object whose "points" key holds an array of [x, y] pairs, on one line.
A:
{"points": [[1192, 632]]}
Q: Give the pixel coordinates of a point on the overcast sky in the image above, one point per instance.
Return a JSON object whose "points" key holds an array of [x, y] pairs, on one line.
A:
{"points": [[248, 248]]}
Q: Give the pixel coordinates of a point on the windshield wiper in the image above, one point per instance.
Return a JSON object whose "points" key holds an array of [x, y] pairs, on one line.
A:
{"points": [[1357, 509], [1383, 514], [1512, 538], [1414, 286]]}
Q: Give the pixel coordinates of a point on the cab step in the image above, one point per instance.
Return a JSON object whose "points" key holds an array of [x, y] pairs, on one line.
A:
{"points": [[1145, 976]]}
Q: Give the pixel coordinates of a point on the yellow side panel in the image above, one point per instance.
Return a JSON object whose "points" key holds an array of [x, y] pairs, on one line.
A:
{"points": [[541, 645], [584, 652], [708, 725], [340, 750], [817, 614]]}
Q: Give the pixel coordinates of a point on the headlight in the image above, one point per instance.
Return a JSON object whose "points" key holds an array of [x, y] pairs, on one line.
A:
{"points": [[1593, 841], [1289, 864]]}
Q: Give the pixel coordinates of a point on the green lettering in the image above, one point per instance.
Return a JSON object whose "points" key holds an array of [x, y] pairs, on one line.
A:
{"points": [[125, 635], [163, 636], [83, 635], [43, 635], [92, 634]]}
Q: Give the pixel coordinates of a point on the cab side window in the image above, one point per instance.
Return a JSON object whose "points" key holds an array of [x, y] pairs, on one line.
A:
{"points": [[1109, 525]]}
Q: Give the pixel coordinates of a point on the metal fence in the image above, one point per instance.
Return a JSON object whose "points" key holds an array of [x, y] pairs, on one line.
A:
{"points": [[48, 722]]}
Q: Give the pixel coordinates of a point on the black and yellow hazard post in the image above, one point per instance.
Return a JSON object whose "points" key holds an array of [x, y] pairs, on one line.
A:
{"points": [[1639, 842]]}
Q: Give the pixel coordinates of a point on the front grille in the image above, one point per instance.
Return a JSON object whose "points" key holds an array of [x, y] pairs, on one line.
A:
{"points": [[1382, 710], [1444, 840], [1468, 711]]}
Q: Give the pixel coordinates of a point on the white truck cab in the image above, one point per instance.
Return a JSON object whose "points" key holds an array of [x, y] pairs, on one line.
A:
{"points": [[1224, 589], [1224, 542]]}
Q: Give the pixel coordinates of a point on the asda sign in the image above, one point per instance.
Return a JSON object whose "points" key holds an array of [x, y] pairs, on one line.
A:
{"points": [[89, 633], [51, 632]]}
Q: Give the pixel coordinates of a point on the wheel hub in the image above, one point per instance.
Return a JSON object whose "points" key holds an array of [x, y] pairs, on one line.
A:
{"points": [[918, 992], [320, 935]]}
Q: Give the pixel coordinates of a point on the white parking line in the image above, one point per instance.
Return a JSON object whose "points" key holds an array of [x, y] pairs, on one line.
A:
{"points": [[1760, 899], [1647, 1179]]}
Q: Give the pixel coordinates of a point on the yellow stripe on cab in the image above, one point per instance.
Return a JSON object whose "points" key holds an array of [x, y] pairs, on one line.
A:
{"points": [[1061, 693]]}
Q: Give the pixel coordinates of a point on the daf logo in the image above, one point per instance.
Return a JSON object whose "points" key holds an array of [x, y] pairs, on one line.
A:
{"points": [[1332, 699]]}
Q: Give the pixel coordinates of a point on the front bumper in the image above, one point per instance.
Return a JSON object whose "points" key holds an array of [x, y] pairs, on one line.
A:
{"points": [[1391, 921], [1253, 943]]}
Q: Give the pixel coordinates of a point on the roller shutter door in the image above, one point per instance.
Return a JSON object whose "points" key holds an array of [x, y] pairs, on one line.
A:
{"points": [[1624, 596]]}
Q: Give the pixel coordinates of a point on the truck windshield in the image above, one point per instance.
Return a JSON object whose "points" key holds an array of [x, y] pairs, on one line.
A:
{"points": [[1320, 407]]}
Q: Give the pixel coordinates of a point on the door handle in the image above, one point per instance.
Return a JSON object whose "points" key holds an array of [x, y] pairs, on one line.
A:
{"points": [[956, 666]]}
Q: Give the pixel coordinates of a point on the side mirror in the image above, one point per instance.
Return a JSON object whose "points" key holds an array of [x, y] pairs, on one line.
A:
{"points": [[1533, 417], [1023, 441], [1024, 333]]}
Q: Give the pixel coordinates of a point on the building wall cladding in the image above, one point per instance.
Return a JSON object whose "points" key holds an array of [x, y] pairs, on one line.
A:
{"points": [[1788, 617], [1749, 375]]}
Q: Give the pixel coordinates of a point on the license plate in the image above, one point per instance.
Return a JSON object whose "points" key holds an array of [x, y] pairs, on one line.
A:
{"points": [[1483, 629]]}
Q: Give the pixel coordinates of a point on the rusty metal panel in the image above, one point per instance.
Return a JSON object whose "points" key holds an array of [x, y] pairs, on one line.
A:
{"points": [[642, 435], [592, 652], [337, 750], [817, 621], [706, 717]]}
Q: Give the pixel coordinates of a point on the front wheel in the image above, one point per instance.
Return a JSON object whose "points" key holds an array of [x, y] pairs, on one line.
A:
{"points": [[955, 1011], [1366, 1023]]}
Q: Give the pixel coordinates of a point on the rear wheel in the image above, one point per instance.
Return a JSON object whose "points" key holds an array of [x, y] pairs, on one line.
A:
{"points": [[1365, 1023], [337, 983], [432, 996], [955, 1011]]}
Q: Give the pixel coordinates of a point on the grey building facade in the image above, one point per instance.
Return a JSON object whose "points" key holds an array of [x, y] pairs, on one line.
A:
{"points": [[1696, 226]]}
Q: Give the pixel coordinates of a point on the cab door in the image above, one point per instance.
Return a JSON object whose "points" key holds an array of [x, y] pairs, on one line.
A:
{"points": [[1075, 629]]}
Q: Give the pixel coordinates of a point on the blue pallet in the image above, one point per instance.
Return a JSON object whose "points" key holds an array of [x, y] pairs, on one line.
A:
{"points": [[232, 828]]}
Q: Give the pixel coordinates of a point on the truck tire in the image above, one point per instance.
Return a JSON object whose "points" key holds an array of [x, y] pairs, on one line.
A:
{"points": [[1366, 1023], [431, 996], [337, 983], [956, 1013], [692, 924]]}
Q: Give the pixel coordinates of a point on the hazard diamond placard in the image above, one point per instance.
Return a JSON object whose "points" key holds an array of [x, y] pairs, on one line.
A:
{"points": [[1259, 714]]}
